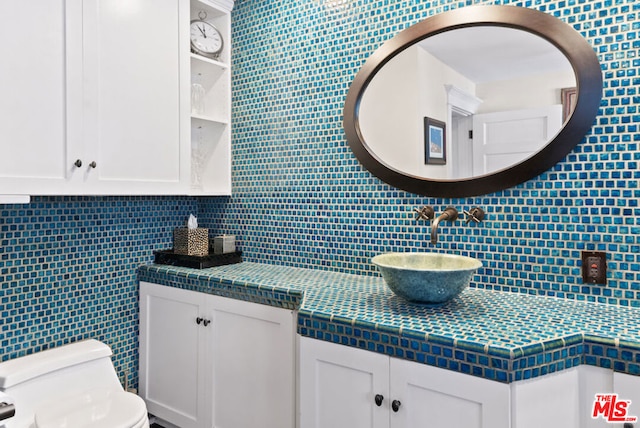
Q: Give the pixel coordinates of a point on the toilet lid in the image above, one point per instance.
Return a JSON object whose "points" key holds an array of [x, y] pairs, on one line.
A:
{"points": [[95, 409]]}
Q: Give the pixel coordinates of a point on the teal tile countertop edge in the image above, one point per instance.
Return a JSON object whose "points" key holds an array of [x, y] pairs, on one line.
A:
{"points": [[491, 334]]}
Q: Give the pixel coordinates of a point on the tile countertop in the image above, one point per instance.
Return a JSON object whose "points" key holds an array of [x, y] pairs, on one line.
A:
{"points": [[491, 334]]}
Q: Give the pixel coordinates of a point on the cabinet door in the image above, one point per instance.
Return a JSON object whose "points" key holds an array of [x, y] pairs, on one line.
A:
{"points": [[172, 373], [602, 381], [592, 380], [436, 398], [135, 82], [628, 388], [339, 384], [552, 400], [253, 357], [40, 83]]}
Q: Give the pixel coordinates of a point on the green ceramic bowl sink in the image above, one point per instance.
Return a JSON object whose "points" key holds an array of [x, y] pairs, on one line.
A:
{"points": [[426, 277]]}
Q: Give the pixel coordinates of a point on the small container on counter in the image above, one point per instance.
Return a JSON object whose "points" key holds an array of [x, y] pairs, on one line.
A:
{"points": [[224, 244]]}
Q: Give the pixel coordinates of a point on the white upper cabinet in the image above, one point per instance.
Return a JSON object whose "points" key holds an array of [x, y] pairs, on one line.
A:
{"points": [[95, 99], [40, 86], [132, 97]]}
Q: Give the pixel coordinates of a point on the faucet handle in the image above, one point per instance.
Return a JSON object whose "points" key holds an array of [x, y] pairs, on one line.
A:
{"points": [[475, 214], [425, 213]]}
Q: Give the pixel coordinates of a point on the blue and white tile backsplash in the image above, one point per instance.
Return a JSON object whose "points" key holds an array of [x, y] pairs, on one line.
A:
{"points": [[68, 264]]}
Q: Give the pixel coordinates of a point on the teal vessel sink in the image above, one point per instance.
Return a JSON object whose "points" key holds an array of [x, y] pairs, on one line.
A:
{"points": [[426, 277]]}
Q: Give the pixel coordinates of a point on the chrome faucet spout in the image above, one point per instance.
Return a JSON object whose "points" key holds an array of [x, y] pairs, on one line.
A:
{"points": [[450, 214]]}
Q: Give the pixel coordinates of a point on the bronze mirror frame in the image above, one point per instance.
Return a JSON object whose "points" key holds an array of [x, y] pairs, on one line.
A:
{"points": [[578, 51]]}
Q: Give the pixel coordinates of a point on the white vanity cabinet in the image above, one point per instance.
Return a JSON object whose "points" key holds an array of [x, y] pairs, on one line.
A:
{"points": [[628, 388], [601, 381], [339, 385], [212, 361], [565, 399], [347, 387], [549, 401]]}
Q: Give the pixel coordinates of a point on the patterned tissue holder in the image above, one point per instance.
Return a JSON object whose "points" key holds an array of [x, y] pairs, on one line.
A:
{"points": [[192, 242]]}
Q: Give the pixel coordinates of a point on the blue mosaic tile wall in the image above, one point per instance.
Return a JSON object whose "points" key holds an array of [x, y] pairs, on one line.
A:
{"points": [[68, 270], [302, 199]]}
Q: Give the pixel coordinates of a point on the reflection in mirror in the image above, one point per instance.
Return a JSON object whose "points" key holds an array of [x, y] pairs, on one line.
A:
{"points": [[497, 90], [410, 109]]}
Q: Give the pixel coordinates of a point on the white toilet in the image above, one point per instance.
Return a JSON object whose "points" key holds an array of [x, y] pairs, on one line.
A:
{"points": [[73, 386]]}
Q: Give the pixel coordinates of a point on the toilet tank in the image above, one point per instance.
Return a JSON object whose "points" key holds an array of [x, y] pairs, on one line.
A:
{"points": [[55, 374]]}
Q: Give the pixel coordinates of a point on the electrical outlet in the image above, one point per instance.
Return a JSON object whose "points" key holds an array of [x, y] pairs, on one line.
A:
{"points": [[594, 267]]}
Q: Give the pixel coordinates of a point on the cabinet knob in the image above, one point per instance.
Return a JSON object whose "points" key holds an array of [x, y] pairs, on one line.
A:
{"points": [[395, 405], [200, 320], [93, 164], [379, 399], [78, 163]]}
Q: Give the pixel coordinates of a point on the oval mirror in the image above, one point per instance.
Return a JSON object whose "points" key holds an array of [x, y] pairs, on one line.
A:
{"points": [[473, 101]]}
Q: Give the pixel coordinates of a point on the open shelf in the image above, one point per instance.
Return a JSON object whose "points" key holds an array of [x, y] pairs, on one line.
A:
{"points": [[207, 121], [211, 124], [213, 10], [195, 59]]}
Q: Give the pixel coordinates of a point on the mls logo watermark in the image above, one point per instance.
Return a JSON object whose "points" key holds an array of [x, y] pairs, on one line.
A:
{"points": [[612, 409]]}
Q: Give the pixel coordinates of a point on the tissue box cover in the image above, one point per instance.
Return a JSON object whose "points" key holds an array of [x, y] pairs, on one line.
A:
{"points": [[192, 242]]}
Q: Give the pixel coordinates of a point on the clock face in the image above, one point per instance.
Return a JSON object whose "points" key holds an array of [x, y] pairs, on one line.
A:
{"points": [[205, 38]]}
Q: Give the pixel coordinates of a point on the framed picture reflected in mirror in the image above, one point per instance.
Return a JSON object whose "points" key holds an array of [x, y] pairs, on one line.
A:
{"points": [[435, 142]]}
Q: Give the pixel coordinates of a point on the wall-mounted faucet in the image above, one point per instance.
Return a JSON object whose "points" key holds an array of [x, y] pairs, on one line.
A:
{"points": [[427, 213], [449, 214]]}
